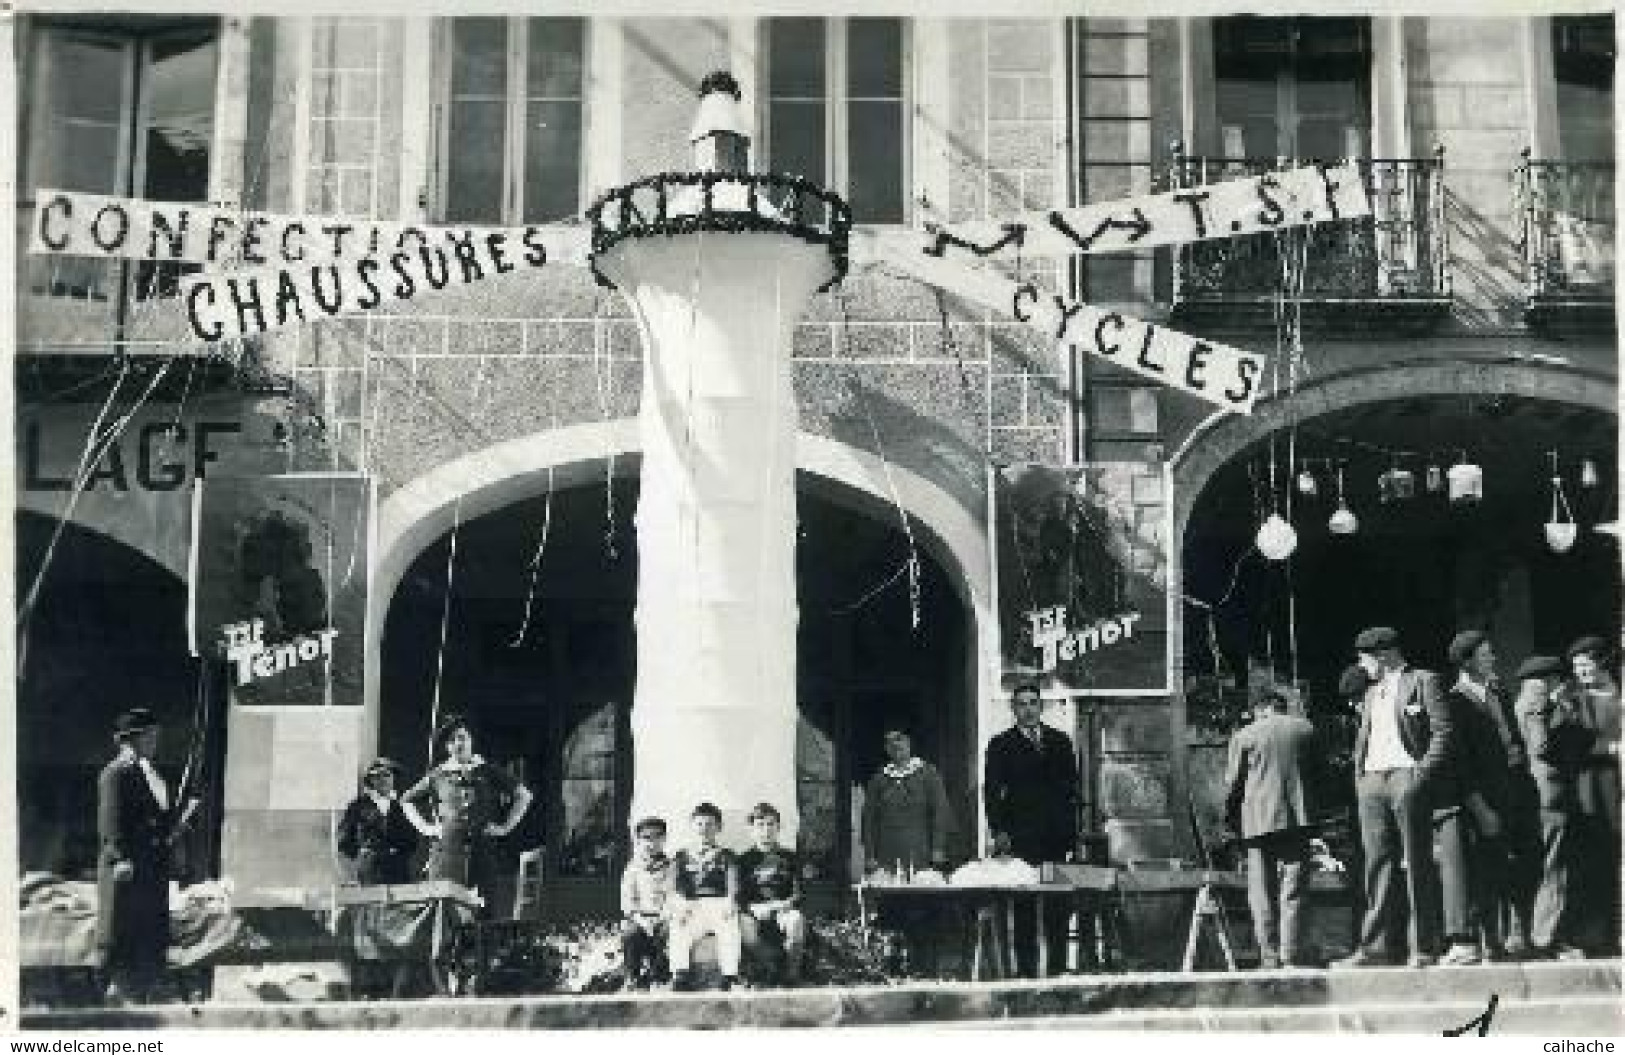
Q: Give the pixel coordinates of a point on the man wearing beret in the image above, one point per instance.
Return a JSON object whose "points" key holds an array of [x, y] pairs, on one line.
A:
{"points": [[136, 823], [1484, 815], [1597, 702], [1398, 755], [1559, 744]]}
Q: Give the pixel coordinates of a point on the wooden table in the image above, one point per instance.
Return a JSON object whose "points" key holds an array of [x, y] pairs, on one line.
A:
{"points": [[1002, 898]]}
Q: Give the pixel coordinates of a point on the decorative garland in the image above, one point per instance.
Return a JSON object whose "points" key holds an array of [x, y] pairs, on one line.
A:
{"points": [[635, 223]]}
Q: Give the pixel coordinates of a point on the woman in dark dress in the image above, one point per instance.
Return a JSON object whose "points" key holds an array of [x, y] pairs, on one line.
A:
{"points": [[375, 833], [475, 803]]}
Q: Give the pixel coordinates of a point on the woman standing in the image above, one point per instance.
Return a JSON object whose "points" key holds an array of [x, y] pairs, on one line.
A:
{"points": [[475, 803], [906, 818], [374, 832]]}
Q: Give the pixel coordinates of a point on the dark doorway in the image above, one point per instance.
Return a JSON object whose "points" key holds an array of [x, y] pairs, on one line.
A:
{"points": [[553, 703], [108, 632]]}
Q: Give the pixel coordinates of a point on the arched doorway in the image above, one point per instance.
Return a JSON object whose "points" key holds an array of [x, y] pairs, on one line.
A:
{"points": [[1421, 563], [551, 695], [108, 632]]}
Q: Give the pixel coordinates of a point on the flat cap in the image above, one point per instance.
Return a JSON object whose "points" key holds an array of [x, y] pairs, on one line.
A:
{"points": [[1464, 644], [1353, 682], [1590, 645], [382, 765], [134, 720], [1540, 667], [1376, 638]]}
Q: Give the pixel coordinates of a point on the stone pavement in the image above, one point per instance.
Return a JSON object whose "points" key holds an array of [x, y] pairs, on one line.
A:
{"points": [[1572, 999]]}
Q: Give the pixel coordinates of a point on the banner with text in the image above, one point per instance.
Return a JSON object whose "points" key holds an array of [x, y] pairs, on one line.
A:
{"points": [[279, 579], [1218, 373], [1082, 575], [1269, 201]]}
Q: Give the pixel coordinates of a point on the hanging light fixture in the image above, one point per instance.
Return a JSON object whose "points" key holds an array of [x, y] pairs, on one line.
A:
{"points": [[1588, 473], [1435, 481], [1307, 484], [1343, 521], [1466, 481], [1560, 532], [1276, 538]]}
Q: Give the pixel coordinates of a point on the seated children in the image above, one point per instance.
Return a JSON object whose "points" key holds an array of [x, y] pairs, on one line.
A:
{"points": [[705, 889], [645, 885], [770, 891]]}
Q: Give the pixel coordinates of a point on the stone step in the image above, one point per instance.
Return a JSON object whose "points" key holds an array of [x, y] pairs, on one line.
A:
{"points": [[1321, 997], [1588, 1016]]}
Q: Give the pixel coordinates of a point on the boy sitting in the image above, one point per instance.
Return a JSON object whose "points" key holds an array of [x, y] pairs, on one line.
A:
{"points": [[705, 889], [770, 891], [645, 885]]}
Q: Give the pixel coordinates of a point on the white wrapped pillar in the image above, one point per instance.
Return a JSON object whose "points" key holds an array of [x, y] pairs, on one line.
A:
{"points": [[714, 708]]}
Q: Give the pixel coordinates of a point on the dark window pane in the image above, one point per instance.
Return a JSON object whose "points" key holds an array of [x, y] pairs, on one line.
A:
{"points": [[874, 57], [552, 160], [795, 57], [553, 58], [88, 78], [875, 162], [479, 56], [474, 162], [179, 90], [796, 139]]}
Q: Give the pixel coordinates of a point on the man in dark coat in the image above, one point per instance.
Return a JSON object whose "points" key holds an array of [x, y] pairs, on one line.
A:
{"points": [[1559, 745], [1487, 859], [374, 832], [1274, 766], [1398, 753], [135, 825], [1031, 789]]}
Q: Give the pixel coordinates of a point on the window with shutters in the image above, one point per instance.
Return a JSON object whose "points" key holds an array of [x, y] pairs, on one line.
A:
{"points": [[1293, 87]]}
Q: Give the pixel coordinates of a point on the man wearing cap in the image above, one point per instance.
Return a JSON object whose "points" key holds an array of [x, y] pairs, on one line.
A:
{"points": [[1500, 866], [1031, 789], [135, 826], [1398, 753], [1558, 743], [1596, 701], [374, 832]]}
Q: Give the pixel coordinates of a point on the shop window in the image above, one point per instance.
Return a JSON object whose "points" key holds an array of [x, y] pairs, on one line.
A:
{"points": [[1583, 66], [1293, 87], [123, 107], [512, 121], [836, 109]]}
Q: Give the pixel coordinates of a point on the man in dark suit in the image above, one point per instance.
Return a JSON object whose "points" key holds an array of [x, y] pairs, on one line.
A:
{"points": [[1484, 815], [1402, 743], [135, 824], [1559, 744], [1274, 765], [1031, 788], [374, 832]]}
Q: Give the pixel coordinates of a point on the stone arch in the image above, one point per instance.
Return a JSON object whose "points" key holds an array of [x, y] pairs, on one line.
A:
{"points": [[417, 514], [1222, 436]]}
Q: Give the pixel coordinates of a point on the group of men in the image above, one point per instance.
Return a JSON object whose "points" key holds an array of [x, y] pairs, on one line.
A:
{"points": [[1489, 826]]}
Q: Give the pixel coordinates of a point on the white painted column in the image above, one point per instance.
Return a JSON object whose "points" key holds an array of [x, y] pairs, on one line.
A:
{"points": [[714, 708], [1540, 88], [1390, 115]]}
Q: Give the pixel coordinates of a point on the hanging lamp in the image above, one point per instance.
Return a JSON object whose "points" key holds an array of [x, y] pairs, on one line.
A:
{"points": [[1307, 484], [1588, 473], [1560, 532], [1343, 521], [1435, 478], [1466, 481], [1276, 538]]}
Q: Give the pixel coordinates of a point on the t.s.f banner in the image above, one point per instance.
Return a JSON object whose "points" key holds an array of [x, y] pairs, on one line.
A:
{"points": [[279, 584], [1082, 576]]}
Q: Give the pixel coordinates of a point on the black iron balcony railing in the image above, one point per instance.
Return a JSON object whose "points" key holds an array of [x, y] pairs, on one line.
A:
{"points": [[1399, 256], [1566, 227]]}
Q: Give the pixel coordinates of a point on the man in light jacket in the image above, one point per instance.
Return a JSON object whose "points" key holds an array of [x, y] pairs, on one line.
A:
{"points": [[1273, 765]]}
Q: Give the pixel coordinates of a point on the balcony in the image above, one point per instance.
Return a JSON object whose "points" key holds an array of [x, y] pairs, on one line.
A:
{"points": [[1566, 217], [1389, 270]]}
